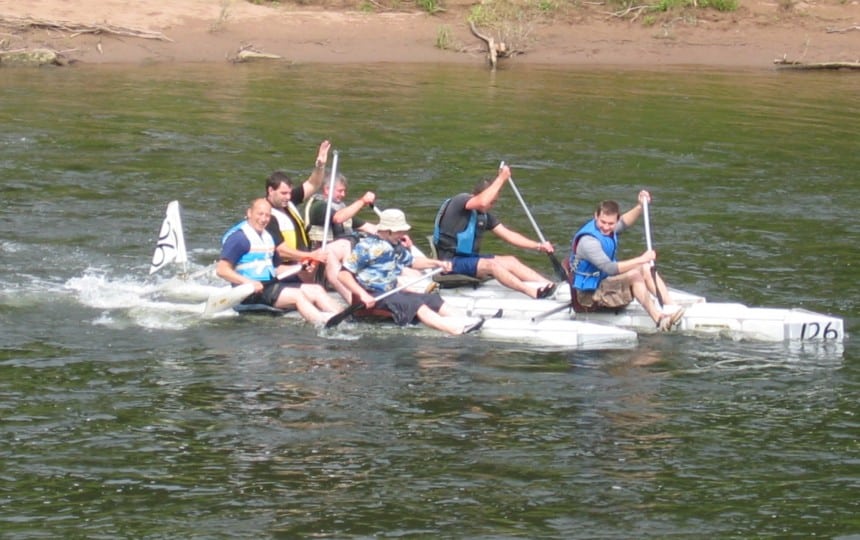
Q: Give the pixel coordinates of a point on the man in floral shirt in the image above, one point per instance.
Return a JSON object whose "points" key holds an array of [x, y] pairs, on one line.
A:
{"points": [[374, 265]]}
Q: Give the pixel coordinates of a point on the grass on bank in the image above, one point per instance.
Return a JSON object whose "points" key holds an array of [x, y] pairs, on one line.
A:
{"points": [[513, 22]]}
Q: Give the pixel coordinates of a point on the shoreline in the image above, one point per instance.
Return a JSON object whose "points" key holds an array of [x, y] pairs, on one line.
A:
{"points": [[196, 31]]}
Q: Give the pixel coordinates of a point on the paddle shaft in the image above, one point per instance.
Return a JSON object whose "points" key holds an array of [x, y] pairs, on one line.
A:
{"points": [[291, 271], [556, 265], [343, 315], [541, 316], [327, 222], [647, 219]]}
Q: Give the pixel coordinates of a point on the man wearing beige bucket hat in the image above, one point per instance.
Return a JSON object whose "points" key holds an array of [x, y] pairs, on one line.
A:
{"points": [[378, 260]]}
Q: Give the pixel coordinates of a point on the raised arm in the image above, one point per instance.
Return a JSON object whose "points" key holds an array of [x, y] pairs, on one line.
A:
{"points": [[485, 199], [315, 180], [348, 212], [629, 217]]}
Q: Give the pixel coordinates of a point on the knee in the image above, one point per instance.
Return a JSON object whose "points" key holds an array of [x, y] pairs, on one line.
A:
{"points": [[637, 276], [312, 289]]}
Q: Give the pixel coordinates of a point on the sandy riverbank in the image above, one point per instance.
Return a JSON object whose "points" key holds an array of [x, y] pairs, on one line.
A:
{"points": [[215, 30]]}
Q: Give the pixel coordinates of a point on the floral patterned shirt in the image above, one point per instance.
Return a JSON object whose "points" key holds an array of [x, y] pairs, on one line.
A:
{"points": [[376, 263]]}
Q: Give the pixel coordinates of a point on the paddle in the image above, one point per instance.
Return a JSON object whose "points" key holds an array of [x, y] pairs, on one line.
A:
{"points": [[541, 316], [291, 271], [330, 196], [228, 297], [648, 245], [556, 265], [340, 317]]}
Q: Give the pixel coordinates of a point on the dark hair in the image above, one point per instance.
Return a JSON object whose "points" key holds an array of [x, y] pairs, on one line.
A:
{"points": [[610, 208], [482, 184], [275, 180]]}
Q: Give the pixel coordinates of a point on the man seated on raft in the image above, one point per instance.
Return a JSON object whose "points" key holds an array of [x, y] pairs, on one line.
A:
{"points": [[459, 226], [247, 251], [600, 282], [374, 265]]}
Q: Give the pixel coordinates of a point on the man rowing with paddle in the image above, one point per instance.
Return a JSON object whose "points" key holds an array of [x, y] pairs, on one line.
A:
{"points": [[247, 251], [286, 226], [374, 265], [600, 282], [344, 230], [459, 226]]}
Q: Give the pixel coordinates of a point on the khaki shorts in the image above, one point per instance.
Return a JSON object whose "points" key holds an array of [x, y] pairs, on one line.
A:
{"points": [[611, 294]]}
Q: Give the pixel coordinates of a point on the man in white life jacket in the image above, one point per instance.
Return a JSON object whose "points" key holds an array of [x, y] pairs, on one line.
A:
{"points": [[247, 252]]}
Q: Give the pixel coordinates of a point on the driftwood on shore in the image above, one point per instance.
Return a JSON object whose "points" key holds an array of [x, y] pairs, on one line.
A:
{"points": [[495, 50], [249, 54], [782, 63], [27, 23]]}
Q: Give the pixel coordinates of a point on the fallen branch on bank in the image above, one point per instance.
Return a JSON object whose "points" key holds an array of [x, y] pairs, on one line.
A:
{"points": [[831, 30], [621, 14], [782, 63], [247, 53], [26, 23]]}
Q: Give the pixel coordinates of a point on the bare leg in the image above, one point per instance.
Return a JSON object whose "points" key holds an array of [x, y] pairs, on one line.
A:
{"points": [[500, 268], [438, 321], [653, 286], [337, 251], [294, 297], [517, 268], [320, 298], [640, 292]]}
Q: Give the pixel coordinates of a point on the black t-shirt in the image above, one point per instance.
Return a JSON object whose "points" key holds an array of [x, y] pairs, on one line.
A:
{"points": [[317, 218], [454, 220], [275, 227]]}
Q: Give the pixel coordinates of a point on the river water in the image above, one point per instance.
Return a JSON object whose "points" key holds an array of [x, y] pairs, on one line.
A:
{"points": [[121, 417]]}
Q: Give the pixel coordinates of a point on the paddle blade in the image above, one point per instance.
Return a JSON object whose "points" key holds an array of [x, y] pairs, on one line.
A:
{"points": [[343, 315], [226, 298], [559, 270], [170, 246]]}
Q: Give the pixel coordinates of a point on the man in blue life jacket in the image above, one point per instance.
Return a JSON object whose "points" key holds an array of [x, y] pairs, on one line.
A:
{"points": [[247, 251], [459, 226], [600, 282]]}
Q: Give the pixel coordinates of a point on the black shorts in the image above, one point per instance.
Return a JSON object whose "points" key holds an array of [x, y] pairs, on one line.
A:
{"points": [[404, 305], [270, 293]]}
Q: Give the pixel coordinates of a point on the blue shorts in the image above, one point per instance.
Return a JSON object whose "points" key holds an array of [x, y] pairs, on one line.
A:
{"points": [[467, 264]]}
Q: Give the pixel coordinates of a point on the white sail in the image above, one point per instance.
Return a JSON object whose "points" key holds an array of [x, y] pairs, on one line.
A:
{"points": [[170, 246]]}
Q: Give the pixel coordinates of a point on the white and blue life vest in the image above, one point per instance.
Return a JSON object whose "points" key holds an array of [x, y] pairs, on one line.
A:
{"points": [[256, 264]]}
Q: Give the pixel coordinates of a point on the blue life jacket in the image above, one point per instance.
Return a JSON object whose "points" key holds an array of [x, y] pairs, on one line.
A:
{"points": [[586, 276], [466, 238], [256, 264]]}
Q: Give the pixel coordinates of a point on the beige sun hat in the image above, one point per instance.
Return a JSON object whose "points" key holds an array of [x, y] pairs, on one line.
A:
{"points": [[393, 220]]}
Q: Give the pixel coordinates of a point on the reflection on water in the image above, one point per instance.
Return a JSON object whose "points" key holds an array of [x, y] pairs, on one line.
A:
{"points": [[123, 419]]}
